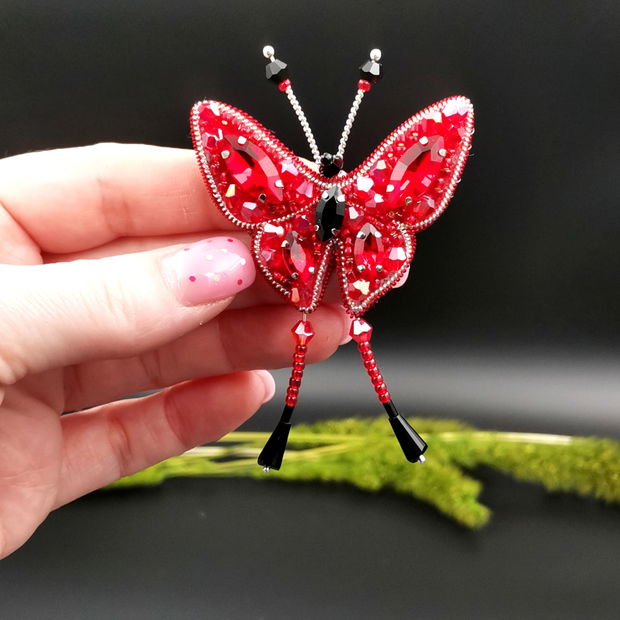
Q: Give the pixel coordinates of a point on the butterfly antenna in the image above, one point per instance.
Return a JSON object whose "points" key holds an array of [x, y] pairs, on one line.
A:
{"points": [[370, 74], [276, 71]]}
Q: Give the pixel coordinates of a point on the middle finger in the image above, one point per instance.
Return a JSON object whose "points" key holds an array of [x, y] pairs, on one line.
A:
{"points": [[242, 339]]}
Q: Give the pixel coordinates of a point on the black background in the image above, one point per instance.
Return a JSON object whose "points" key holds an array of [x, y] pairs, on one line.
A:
{"points": [[508, 320]]}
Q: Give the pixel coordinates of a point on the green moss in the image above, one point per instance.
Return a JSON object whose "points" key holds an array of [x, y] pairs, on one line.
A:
{"points": [[363, 453]]}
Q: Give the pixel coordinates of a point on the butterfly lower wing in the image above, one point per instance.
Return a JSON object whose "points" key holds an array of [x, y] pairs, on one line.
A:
{"points": [[293, 260], [252, 177], [372, 257], [410, 178]]}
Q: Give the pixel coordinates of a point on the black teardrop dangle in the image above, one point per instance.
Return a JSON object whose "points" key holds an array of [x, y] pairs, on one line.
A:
{"points": [[272, 454], [412, 445]]}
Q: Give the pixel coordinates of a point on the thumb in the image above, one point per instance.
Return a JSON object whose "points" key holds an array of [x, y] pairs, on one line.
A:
{"points": [[64, 313]]}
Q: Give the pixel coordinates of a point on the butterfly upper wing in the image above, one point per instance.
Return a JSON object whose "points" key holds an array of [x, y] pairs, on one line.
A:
{"points": [[262, 186], [403, 187], [412, 174], [252, 176]]}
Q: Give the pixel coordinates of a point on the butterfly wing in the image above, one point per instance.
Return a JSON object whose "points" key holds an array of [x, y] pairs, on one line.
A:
{"points": [[372, 257], [263, 187], [403, 187], [293, 260], [252, 176], [412, 174]]}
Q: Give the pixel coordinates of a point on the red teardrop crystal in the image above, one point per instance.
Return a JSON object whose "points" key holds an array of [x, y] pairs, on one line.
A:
{"points": [[289, 252], [369, 252], [377, 253]]}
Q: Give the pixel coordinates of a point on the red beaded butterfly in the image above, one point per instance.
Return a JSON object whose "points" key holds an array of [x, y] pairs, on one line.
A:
{"points": [[305, 223]]}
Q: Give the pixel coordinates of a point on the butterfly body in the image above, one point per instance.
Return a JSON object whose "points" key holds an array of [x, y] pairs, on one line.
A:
{"points": [[361, 223]]}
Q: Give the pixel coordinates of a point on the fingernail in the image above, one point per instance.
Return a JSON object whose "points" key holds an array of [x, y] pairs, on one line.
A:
{"points": [[402, 278], [209, 270], [269, 384]]}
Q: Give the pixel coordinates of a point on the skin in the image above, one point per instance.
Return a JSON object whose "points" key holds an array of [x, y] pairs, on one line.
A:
{"points": [[88, 318]]}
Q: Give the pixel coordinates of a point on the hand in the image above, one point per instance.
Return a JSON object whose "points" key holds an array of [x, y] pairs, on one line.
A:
{"points": [[104, 294]]}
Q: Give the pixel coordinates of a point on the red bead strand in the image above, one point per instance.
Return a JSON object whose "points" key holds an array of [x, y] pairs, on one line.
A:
{"points": [[303, 333], [361, 331]]}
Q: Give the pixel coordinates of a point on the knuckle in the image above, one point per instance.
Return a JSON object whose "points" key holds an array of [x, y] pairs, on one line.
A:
{"points": [[121, 308], [12, 367], [113, 206], [174, 416], [120, 444], [153, 368]]}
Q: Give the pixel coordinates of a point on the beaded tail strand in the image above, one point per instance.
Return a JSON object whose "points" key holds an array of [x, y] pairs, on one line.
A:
{"points": [[273, 452], [412, 445]]}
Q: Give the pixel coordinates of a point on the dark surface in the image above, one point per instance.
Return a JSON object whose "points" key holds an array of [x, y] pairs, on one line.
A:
{"points": [[508, 321], [265, 550]]}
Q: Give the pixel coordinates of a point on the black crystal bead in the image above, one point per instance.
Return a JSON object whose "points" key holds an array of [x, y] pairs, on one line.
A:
{"points": [[330, 165], [329, 213], [276, 71], [412, 445], [371, 71]]}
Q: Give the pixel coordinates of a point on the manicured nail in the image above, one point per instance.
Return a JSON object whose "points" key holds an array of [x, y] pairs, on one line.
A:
{"points": [[402, 278], [211, 269], [269, 384]]}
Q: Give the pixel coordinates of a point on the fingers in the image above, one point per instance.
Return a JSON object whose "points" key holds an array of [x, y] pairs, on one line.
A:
{"points": [[65, 313], [129, 245], [68, 200], [403, 279], [112, 441], [235, 340]]}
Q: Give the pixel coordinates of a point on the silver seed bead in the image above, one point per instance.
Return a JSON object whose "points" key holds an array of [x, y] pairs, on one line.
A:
{"points": [[375, 54], [268, 51]]}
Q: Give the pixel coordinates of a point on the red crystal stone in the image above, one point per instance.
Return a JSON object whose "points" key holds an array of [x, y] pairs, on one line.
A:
{"points": [[360, 330], [364, 85], [303, 333], [211, 132], [394, 258], [252, 169], [369, 252], [288, 251], [294, 181], [375, 254], [416, 170]]}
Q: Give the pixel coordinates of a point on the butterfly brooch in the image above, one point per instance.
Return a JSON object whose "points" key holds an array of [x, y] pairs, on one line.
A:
{"points": [[306, 222]]}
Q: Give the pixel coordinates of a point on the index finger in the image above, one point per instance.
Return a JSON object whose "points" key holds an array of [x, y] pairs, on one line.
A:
{"points": [[73, 199]]}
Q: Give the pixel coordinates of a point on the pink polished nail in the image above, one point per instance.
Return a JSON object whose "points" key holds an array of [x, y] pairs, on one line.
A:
{"points": [[211, 269]]}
